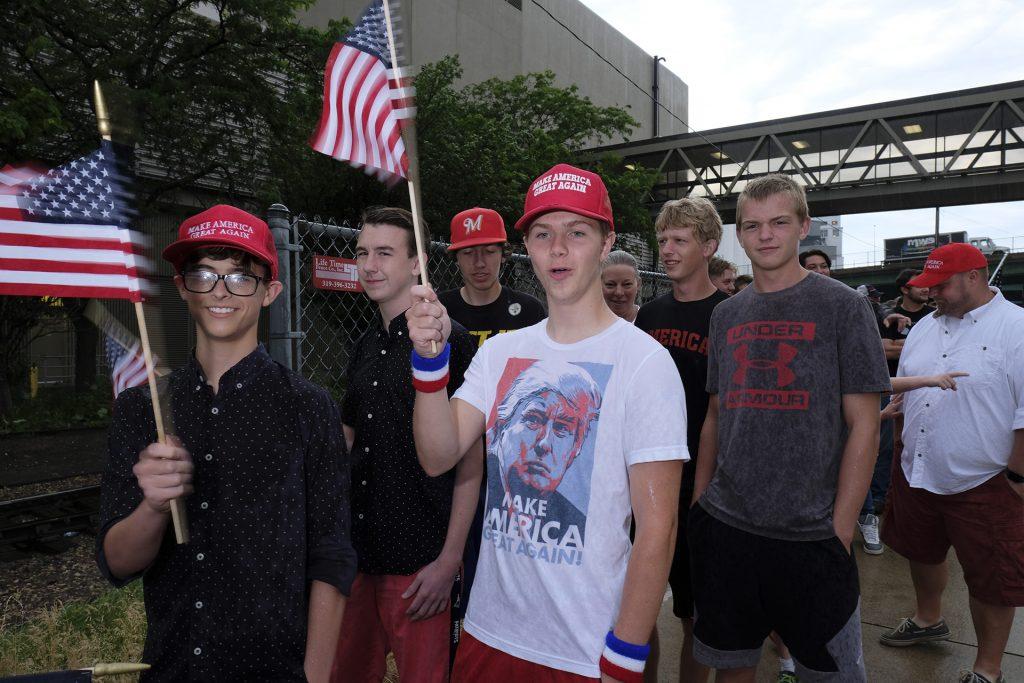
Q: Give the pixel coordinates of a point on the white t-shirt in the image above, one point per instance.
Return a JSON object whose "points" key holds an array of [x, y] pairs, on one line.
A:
{"points": [[564, 423]]}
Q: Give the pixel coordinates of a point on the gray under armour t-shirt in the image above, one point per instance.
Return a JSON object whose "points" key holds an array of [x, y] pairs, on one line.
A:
{"points": [[780, 363]]}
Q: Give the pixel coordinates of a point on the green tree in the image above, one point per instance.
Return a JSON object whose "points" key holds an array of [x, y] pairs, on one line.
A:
{"points": [[198, 86], [482, 144], [479, 145], [222, 96], [204, 90], [218, 99]]}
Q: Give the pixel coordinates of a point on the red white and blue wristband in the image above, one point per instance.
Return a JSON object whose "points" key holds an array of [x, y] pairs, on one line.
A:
{"points": [[624, 661], [430, 374]]}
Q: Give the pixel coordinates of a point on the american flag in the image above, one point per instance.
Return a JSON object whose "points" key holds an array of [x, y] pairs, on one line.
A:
{"points": [[365, 100], [12, 177], [64, 233], [127, 365]]}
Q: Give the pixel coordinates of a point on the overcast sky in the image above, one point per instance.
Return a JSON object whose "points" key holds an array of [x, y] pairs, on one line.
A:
{"points": [[748, 60]]}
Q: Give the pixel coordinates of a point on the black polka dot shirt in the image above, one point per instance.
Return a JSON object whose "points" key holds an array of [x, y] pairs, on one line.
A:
{"points": [[399, 514], [269, 515]]}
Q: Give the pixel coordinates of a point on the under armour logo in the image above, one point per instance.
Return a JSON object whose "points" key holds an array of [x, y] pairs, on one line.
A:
{"points": [[472, 224], [784, 375]]}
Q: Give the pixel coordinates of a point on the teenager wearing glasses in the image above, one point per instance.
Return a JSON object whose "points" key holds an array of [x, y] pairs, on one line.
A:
{"points": [[260, 460]]}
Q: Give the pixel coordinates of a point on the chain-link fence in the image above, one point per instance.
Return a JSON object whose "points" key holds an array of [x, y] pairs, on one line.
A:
{"points": [[329, 322]]}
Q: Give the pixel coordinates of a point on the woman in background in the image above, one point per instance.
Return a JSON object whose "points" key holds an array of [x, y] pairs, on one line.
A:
{"points": [[621, 281]]}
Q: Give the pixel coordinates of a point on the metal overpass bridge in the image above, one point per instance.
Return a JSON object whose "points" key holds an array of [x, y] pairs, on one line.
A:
{"points": [[963, 147]]}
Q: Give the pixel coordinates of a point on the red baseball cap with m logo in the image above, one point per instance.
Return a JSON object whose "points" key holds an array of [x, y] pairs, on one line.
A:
{"points": [[477, 226]]}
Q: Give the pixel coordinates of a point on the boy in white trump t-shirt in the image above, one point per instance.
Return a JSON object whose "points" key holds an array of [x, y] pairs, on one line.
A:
{"points": [[585, 424]]}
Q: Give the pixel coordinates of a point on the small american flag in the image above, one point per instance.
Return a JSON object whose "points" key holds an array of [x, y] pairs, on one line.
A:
{"points": [[127, 365], [365, 101], [64, 233]]}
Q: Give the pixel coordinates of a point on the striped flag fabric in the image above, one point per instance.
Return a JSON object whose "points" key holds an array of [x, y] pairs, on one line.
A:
{"points": [[122, 349], [12, 177], [64, 233], [127, 365], [366, 98]]}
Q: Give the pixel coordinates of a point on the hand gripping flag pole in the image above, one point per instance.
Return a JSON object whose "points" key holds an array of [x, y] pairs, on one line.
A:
{"points": [[178, 518]]}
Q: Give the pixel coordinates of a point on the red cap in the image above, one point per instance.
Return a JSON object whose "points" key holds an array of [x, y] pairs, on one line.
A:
{"points": [[567, 188], [224, 226], [477, 226], [946, 261]]}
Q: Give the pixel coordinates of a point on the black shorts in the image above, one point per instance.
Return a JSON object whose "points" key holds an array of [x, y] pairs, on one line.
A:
{"points": [[679, 578], [746, 586]]}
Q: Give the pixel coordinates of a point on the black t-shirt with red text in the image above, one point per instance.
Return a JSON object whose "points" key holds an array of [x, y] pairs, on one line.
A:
{"points": [[512, 310], [682, 328], [893, 332]]}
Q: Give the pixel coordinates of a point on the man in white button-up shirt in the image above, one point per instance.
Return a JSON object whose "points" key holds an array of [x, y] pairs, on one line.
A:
{"points": [[960, 479]]}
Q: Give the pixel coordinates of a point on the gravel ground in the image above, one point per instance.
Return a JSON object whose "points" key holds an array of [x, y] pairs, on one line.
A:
{"points": [[37, 581], [32, 584]]}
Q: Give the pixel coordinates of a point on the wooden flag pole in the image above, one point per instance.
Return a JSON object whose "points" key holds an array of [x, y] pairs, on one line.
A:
{"points": [[117, 668], [177, 507], [408, 132]]}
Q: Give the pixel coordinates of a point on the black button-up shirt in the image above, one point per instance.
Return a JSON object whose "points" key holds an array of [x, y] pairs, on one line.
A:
{"points": [[269, 515], [399, 514]]}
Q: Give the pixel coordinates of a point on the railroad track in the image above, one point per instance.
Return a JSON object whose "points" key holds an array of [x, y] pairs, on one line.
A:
{"points": [[28, 522]]}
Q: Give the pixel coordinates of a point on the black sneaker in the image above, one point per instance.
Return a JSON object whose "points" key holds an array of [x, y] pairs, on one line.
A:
{"points": [[909, 633], [974, 677]]}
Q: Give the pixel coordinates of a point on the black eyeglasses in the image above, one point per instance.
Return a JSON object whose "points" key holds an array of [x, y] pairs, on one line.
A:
{"points": [[203, 281]]}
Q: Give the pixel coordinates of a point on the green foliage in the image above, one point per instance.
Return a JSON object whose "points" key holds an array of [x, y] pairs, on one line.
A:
{"points": [[112, 628], [29, 115], [225, 95], [58, 408], [628, 185], [196, 84], [482, 144]]}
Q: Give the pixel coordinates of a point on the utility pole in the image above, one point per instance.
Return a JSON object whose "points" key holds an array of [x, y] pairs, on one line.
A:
{"points": [[654, 95], [936, 227]]}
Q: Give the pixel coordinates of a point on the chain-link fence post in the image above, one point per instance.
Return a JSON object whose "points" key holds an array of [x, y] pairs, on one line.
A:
{"points": [[280, 314]]}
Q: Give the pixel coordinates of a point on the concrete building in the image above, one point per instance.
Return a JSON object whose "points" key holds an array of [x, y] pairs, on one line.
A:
{"points": [[826, 234], [505, 38]]}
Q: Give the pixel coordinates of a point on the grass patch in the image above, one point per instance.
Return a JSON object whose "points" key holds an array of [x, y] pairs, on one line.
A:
{"points": [[111, 628], [60, 408]]}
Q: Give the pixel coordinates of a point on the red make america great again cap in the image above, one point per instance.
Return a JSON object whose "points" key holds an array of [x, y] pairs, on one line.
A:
{"points": [[946, 261], [224, 226], [567, 188]]}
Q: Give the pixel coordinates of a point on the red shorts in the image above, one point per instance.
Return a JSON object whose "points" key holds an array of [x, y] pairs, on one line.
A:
{"points": [[375, 623], [985, 525], [475, 662]]}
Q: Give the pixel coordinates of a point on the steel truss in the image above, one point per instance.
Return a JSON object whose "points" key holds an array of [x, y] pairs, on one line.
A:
{"points": [[953, 148]]}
